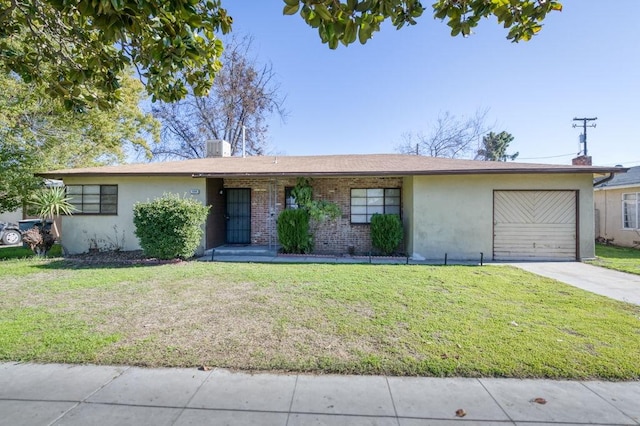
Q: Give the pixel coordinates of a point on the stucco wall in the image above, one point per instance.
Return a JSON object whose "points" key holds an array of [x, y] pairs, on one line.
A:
{"points": [[608, 204], [111, 231], [454, 214]]}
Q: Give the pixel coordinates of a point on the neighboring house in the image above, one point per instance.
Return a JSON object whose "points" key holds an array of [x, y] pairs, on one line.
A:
{"points": [[461, 208], [617, 204]]}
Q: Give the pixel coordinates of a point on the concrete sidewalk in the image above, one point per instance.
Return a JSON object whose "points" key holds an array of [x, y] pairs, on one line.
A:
{"points": [[606, 282], [33, 394]]}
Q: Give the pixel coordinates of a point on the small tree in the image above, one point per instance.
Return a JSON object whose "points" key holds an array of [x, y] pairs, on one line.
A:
{"points": [[170, 227], [47, 203], [318, 210], [494, 147], [386, 232], [293, 228]]}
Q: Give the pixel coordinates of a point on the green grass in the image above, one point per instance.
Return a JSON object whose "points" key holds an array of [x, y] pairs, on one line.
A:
{"points": [[622, 259], [18, 252], [363, 319], [36, 335]]}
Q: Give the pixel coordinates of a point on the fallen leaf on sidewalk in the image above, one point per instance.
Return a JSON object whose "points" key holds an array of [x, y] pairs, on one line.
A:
{"points": [[540, 401], [204, 368], [460, 412]]}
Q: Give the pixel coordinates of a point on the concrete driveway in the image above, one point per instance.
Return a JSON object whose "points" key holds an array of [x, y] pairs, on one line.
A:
{"points": [[613, 284]]}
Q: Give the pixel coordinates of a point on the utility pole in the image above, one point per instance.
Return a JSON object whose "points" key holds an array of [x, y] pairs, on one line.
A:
{"points": [[583, 138]]}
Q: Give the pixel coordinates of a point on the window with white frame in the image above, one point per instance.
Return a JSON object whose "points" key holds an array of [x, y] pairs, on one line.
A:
{"points": [[367, 202], [94, 199], [630, 208]]}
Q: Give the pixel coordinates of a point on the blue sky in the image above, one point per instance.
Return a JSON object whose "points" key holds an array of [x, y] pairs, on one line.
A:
{"points": [[361, 99]]}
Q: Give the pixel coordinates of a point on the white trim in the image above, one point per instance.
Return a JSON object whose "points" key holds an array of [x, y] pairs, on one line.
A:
{"points": [[622, 210]]}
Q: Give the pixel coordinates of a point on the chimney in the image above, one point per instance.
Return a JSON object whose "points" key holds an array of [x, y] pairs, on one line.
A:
{"points": [[581, 160]]}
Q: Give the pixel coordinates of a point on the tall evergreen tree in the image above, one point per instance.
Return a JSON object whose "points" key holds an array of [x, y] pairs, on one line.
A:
{"points": [[494, 147]]}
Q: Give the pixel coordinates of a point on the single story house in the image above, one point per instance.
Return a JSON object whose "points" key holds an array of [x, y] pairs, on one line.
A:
{"points": [[461, 208], [617, 204]]}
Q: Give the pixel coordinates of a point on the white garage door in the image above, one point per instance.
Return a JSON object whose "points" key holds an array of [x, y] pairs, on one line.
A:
{"points": [[534, 225]]}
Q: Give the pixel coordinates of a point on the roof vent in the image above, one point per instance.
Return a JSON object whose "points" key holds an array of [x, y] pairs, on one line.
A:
{"points": [[218, 148]]}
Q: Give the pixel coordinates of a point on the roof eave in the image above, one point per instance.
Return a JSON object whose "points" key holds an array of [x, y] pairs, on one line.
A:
{"points": [[538, 170], [411, 173], [99, 174]]}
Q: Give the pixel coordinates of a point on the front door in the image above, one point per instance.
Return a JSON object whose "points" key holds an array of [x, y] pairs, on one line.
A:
{"points": [[238, 216]]}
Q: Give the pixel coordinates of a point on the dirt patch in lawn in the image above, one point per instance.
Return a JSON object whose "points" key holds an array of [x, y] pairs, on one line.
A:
{"points": [[207, 322], [118, 258]]}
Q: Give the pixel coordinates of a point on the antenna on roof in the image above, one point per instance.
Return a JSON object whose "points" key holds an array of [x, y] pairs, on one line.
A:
{"points": [[244, 152]]}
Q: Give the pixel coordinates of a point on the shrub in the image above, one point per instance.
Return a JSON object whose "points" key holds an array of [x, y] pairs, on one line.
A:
{"points": [[39, 239], [169, 227], [293, 231], [386, 232]]}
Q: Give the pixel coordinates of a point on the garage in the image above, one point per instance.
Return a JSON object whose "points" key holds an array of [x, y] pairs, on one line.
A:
{"points": [[534, 225]]}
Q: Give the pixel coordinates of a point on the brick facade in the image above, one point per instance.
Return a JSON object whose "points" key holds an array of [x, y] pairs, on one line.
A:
{"points": [[331, 236]]}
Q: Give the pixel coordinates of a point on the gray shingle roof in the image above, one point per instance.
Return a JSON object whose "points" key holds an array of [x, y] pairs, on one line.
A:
{"points": [[632, 177], [324, 165]]}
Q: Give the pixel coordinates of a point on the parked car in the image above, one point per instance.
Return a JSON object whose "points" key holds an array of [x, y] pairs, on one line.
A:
{"points": [[10, 233], [27, 224]]}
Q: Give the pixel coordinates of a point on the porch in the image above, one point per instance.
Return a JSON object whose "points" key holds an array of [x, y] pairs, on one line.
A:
{"points": [[270, 254]]}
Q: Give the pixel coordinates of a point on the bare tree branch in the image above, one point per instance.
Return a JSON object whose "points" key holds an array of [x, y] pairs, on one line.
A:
{"points": [[244, 95], [450, 136]]}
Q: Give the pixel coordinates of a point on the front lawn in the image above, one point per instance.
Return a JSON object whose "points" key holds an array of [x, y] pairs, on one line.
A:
{"points": [[623, 259], [364, 319], [19, 252]]}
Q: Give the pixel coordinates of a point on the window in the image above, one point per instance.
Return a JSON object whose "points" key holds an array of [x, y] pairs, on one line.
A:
{"points": [[289, 199], [630, 204], [94, 199], [366, 202]]}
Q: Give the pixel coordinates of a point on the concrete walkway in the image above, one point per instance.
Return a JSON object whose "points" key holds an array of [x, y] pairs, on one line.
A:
{"points": [[33, 394], [607, 282]]}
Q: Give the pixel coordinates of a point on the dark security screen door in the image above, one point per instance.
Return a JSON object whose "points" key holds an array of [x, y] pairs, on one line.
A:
{"points": [[238, 216]]}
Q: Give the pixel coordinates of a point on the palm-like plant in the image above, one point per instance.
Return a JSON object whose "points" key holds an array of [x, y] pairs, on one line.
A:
{"points": [[47, 203], [51, 202]]}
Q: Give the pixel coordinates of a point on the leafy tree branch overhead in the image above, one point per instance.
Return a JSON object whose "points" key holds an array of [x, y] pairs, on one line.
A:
{"points": [[345, 21], [79, 49]]}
